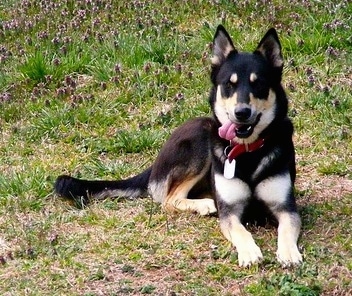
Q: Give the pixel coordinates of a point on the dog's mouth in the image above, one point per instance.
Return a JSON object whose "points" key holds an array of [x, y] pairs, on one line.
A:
{"points": [[245, 130]]}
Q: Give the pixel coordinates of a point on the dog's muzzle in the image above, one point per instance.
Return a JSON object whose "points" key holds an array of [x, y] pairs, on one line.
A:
{"points": [[245, 122]]}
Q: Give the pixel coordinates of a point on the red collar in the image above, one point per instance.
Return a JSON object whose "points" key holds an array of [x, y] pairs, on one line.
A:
{"points": [[238, 149]]}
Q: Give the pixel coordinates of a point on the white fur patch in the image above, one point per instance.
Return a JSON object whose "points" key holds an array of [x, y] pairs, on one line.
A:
{"points": [[203, 206], [158, 190], [219, 152], [231, 191], [117, 193], [253, 77], [274, 190], [234, 78], [220, 108]]}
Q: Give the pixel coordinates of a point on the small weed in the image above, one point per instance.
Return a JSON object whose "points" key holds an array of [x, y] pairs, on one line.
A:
{"points": [[283, 285], [148, 289], [97, 276], [127, 268]]}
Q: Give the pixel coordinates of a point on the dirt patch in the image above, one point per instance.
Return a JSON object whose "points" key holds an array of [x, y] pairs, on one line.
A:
{"points": [[322, 189]]}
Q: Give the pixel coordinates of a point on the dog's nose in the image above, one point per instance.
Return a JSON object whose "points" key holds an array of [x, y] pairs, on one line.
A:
{"points": [[242, 113]]}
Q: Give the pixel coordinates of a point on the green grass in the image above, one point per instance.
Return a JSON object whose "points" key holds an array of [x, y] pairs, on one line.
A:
{"points": [[94, 88]]}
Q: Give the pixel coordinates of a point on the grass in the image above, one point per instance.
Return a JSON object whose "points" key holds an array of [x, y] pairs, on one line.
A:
{"points": [[94, 88]]}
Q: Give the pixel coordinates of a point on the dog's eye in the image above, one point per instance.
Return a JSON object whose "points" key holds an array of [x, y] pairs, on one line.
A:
{"points": [[230, 85], [260, 88], [229, 88]]}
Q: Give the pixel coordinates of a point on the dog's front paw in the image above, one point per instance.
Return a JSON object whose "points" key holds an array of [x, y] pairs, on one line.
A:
{"points": [[206, 206], [249, 254], [289, 255]]}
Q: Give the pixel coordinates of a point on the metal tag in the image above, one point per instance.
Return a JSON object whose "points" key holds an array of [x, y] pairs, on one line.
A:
{"points": [[229, 169]]}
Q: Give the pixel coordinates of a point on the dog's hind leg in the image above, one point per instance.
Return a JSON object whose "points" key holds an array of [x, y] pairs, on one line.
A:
{"points": [[173, 194], [177, 198], [182, 165], [183, 188]]}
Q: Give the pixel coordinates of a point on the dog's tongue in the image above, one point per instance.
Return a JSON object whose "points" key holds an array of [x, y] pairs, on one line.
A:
{"points": [[227, 131]]}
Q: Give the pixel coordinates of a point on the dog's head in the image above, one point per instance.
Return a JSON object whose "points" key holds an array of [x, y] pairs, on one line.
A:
{"points": [[247, 86]]}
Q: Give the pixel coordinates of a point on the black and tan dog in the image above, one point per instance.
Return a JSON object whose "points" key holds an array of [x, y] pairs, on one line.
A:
{"points": [[242, 156]]}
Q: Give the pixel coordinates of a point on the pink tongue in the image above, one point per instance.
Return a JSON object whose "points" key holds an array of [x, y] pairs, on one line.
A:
{"points": [[227, 131]]}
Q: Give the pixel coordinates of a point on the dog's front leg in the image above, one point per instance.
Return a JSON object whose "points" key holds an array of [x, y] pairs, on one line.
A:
{"points": [[288, 232], [232, 196], [277, 193]]}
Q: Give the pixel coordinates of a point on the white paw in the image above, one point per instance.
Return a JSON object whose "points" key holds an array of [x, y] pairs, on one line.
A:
{"points": [[249, 254], [289, 255], [205, 206]]}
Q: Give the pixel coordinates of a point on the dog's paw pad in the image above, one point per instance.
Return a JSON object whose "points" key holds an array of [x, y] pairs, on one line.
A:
{"points": [[289, 256], [248, 255]]}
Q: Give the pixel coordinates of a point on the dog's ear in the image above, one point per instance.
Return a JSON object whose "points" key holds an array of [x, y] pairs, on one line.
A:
{"points": [[222, 46], [270, 48]]}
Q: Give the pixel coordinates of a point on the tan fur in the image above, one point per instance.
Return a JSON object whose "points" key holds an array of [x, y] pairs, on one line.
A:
{"points": [[177, 200], [262, 105], [230, 103]]}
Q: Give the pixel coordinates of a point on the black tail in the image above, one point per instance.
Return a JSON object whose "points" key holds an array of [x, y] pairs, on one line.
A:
{"points": [[86, 190]]}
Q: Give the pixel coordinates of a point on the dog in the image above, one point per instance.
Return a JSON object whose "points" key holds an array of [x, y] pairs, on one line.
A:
{"points": [[241, 156]]}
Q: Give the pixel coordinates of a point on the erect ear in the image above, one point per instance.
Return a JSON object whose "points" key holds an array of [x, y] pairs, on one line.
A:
{"points": [[270, 48], [222, 46]]}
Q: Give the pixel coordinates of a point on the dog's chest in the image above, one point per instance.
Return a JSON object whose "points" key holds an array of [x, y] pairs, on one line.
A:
{"points": [[254, 166]]}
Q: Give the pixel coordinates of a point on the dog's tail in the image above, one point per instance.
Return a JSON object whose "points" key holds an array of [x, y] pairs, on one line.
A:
{"points": [[87, 190]]}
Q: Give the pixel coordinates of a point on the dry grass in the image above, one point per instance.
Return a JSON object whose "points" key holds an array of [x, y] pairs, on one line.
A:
{"points": [[118, 248]]}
